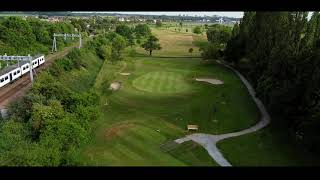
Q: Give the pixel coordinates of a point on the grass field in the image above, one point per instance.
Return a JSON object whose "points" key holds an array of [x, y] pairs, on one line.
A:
{"points": [[157, 101], [268, 147], [162, 82], [175, 44]]}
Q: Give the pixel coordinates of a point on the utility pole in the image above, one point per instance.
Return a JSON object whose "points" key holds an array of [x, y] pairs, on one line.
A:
{"points": [[80, 43], [65, 35], [30, 65], [54, 45]]}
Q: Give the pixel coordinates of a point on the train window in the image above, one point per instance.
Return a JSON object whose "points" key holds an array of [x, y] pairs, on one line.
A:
{"points": [[14, 73], [18, 71], [6, 78], [2, 80]]}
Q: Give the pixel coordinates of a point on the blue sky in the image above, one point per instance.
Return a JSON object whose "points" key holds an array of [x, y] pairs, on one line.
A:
{"points": [[237, 14]]}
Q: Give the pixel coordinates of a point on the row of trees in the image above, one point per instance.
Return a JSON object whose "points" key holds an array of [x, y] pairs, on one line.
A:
{"points": [[30, 36], [218, 36], [125, 36], [283, 51]]}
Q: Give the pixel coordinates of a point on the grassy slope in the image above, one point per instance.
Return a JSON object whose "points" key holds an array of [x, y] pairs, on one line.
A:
{"points": [[83, 79], [135, 123], [268, 147]]}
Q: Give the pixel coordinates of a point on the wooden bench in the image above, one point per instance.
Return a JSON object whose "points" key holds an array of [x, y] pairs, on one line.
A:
{"points": [[192, 127]]}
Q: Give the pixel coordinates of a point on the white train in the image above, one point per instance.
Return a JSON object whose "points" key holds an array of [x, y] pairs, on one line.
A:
{"points": [[13, 72]]}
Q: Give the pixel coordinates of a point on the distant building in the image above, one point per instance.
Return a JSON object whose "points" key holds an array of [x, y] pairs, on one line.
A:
{"points": [[220, 21]]}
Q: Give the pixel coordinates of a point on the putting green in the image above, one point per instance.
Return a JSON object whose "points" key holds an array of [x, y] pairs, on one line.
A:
{"points": [[162, 82]]}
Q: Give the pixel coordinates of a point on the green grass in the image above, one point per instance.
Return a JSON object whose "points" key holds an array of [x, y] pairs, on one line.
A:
{"points": [[268, 147], [175, 44], [137, 114], [193, 154], [159, 99], [162, 82]]}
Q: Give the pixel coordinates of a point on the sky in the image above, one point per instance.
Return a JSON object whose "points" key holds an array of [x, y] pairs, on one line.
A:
{"points": [[236, 14]]}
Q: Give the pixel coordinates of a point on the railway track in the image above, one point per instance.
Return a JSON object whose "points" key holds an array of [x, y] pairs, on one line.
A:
{"points": [[18, 88]]}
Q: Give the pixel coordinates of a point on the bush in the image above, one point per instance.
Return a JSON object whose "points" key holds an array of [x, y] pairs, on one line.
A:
{"points": [[158, 23], [212, 51], [197, 30]]}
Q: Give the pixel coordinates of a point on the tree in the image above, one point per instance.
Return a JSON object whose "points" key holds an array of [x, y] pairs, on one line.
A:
{"points": [[218, 34], [180, 24], [104, 51], [158, 23], [118, 44], [235, 30], [131, 40], [212, 51], [151, 44], [124, 31], [197, 30], [142, 30], [190, 50]]}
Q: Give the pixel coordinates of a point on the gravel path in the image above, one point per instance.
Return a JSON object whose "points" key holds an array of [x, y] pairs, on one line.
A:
{"points": [[211, 81], [209, 141]]}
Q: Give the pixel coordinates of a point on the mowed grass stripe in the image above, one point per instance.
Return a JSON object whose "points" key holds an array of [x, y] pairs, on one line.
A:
{"points": [[162, 82]]}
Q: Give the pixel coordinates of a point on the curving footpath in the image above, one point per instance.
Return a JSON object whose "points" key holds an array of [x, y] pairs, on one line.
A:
{"points": [[209, 141]]}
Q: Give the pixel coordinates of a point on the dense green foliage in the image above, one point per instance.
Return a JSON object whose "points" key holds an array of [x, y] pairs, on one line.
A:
{"points": [[212, 51], [219, 34], [142, 30], [49, 125], [151, 44], [197, 30], [30, 36], [93, 25], [282, 49]]}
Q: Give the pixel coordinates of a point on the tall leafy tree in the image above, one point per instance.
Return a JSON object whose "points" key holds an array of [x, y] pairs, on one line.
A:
{"points": [[151, 44]]}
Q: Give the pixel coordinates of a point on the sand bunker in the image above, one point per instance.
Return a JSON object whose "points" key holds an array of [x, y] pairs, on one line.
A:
{"points": [[125, 74], [211, 81], [115, 86]]}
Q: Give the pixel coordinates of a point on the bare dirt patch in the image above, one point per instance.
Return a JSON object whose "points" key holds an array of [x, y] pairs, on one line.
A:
{"points": [[211, 81]]}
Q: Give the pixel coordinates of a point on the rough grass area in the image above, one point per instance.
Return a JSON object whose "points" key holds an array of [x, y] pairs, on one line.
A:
{"points": [[174, 44]]}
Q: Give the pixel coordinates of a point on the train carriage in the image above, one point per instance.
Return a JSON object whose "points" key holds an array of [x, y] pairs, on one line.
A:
{"points": [[11, 73], [25, 67], [4, 79]]}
